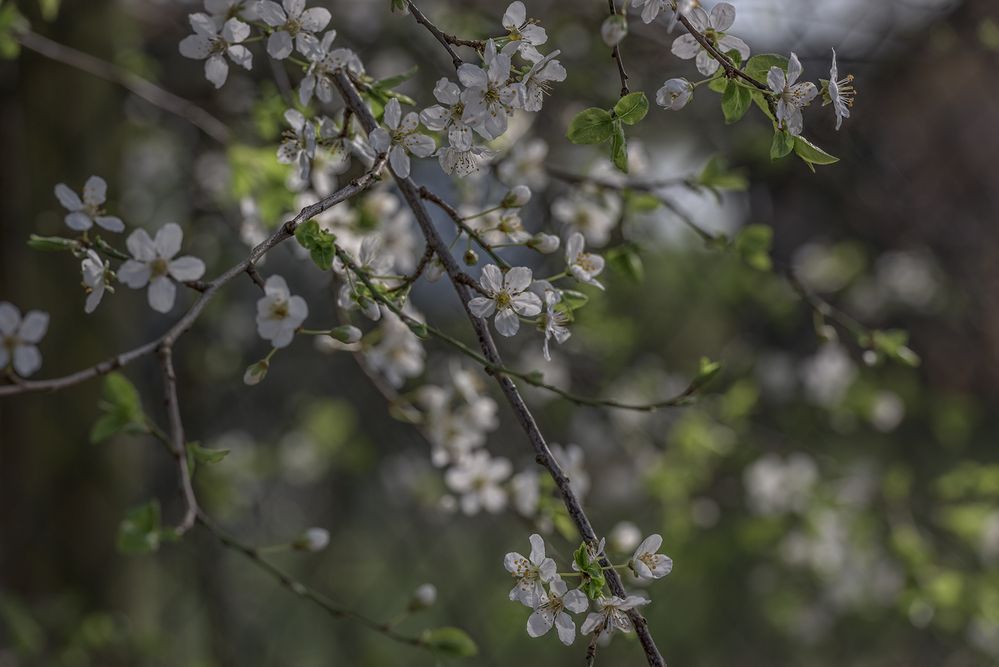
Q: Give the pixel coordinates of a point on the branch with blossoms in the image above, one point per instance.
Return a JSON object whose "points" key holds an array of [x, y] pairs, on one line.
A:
{"points": [[362, 233]]}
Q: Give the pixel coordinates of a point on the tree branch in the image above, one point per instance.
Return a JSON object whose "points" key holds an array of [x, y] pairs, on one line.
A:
{"points": [[178, 443]]}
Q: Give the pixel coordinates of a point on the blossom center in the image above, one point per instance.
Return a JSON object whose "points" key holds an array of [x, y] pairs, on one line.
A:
{"points": [[158, 267], [503, 299]]}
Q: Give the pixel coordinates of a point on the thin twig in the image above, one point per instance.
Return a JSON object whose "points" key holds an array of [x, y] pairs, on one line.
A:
{"points": [[543, 455], [445, 39], [283, 233], [178, 443], [148, 91], [616, 55], [463, 226]]}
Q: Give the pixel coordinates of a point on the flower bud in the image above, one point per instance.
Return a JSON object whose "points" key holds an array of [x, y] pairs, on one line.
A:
{"points": [[256, 372], [471, 258], [675, 94], [614, 29], [346, 334], [544, 243], [517, 197], [314, 539], [625, 536], [424, 596]]}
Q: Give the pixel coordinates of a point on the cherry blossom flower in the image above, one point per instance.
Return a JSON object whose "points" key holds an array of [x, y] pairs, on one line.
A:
{"points": [[538, 80], [624, 536], [583, 266], [544, 243], [318, 79], [594, 219], [211, 45], [646, 563], [447, 115], [477, 478], [279, 313], [839, 93], [299, 145], [94, 271], [525, 492], [507, 297], [292, 22], [612, 615], [83, 214], [792, 97], [526, 163], [489, 97], [650, 8], [713, 27], [526, 34], [551, 610], [398, 354], [401, 138], [554, 321], [223, 10], [462, 162], [19, 338], [153, 264], [530, 573], [675, 94]]}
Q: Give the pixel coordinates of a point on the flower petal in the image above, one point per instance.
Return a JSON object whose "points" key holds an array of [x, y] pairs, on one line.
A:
{"points": [[162, 293]]}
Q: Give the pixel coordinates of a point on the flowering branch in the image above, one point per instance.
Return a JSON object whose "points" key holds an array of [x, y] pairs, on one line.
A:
{"points": [[544, 457]]}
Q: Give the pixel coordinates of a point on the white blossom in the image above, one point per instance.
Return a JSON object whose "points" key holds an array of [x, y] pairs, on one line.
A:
{"points": [[313, 539], [650, 8], [318, 79], [775, 486], [489, 97], [279, 313], [538, 80], [791, 97], [551, 610], [398, 354], [530, 573], [299, 145], [647, 563], [839, 93], [507, 296], [94, 271], [571, 459], [675, 94], [526, 163], [153, 264], [462, 162], [525, 492], [544, 243], [477, 478], [223, 10], [424, 596], [19, 338], [587, 216], [713, 27], [524, 33], [211, 45], [292, 21], [624, 536], [554, 321], [83, 214], [401, 138], [583, 266], [612, 615], [447, 115]]}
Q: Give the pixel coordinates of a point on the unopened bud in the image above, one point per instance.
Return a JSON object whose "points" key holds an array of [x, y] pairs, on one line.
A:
{"points": [[517, 197], [314, 539], [471, 258], [614, 29], [544, 243], [424, 596], [256, 372], [346, 334]]}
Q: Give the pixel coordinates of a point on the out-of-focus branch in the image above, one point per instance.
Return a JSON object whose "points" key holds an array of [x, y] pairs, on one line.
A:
{"points": [[543, 455], [148, 91], [283, 233], [178, 443]]}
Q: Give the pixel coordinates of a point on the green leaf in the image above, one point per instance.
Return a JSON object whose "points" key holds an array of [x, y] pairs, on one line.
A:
{"points": [[753, 245], [418, 328], [450, 642], [716, 174], [393, 81], [11, 23], [122, 409], [735, 102], [719, 84], [49, 8], [782, 145], [591, 126], [139, 531], [644, 202], [205, 455], [51, 243], [619, 147], [707, 370], [632, 108], [758, 67], [573, 299], [893, 343], [625, 258], [319, 242], [811, 153]]}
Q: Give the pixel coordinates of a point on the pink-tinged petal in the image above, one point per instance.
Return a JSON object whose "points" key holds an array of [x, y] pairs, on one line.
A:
{"points": [[162, 293], [34, 326], [186, 268], [69, 199], [134, 274], [507, 323], [141, 246], [110, 223], [27, 360], [168, 240]]}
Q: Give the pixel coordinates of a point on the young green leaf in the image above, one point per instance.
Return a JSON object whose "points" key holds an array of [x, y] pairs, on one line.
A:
{"points": [[318, 242], [122, 409], [782, 145], [619, 147], [811, 153], [735, 102], [632, 108], [450, 642], [139, 531], [591, 126], [753, 245]]}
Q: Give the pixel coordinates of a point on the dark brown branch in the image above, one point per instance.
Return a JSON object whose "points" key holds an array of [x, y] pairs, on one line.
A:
{"points": [[463, 226], [445, 39], [544, 456], [616, 55], [178, 443]]}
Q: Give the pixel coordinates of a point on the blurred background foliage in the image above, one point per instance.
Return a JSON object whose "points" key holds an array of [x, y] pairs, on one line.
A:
{"points": [[819, 510]]}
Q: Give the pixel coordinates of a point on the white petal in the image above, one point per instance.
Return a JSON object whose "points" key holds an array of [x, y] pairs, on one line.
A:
{"points": [[168, 240], [315, 19], [10, 319], [685, 47], [33, 326], [235, 31], [79, 221], [794, 69], [27, 360], [540, 622], [196, 47], [518, 279], [481, 306], [399, 160], [566, 628], [186, 268], [95, 191], [393, 113], [162, 293], [134, 274], [271, 13], [110, 223], [69, 199], [537, 548], [280, 45], [472, 76], [140, 245], [216, 70], [507, 322], [420, 145], [492, 278], [722, 16], [576, 601], [515, 15]]}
